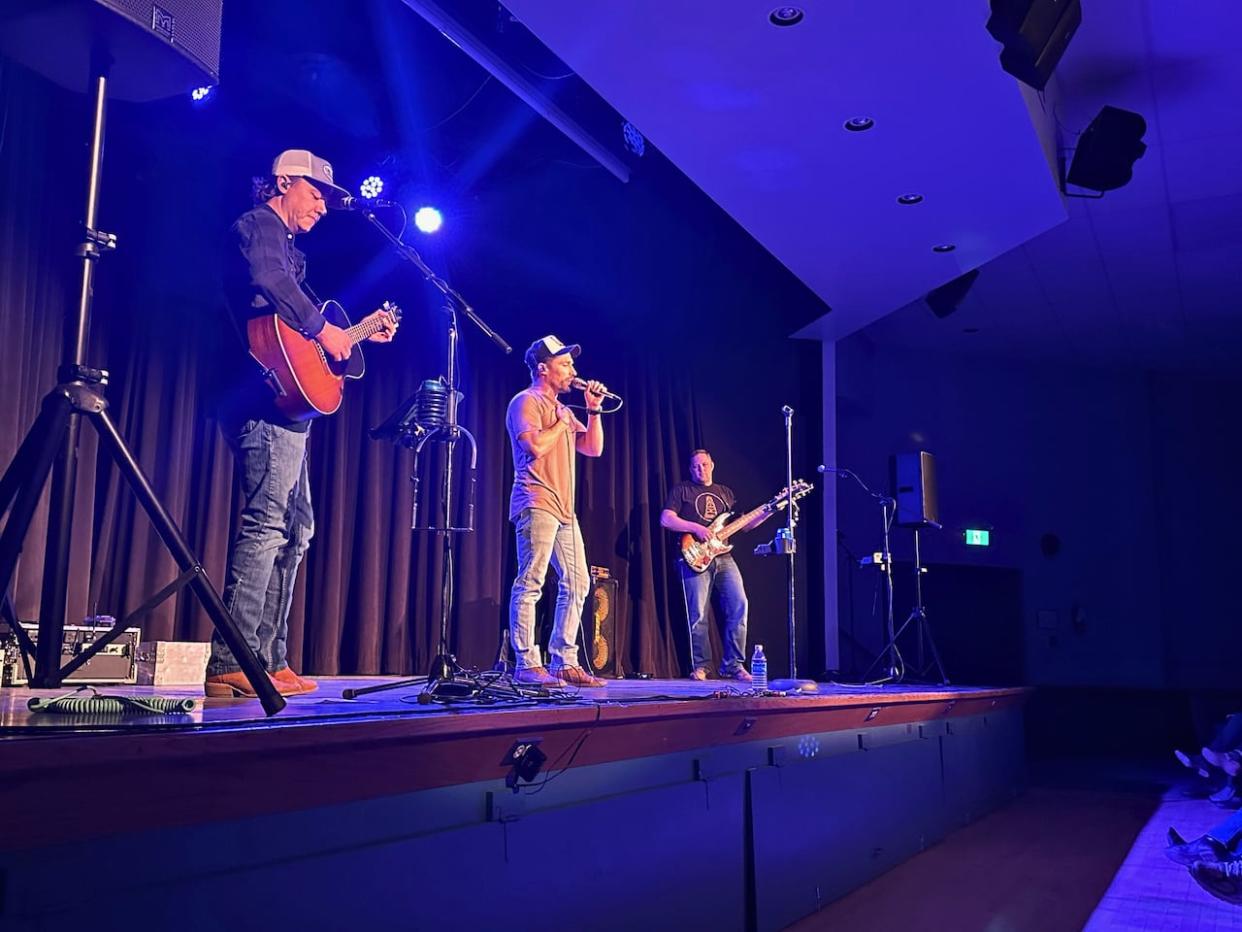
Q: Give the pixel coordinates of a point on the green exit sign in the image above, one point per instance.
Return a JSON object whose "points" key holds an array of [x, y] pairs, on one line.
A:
{"points": [[977, 537]]}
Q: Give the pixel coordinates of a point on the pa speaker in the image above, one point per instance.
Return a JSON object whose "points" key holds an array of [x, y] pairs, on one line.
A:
{"points": [[599, 628], [1035, 34], [1107, 150], [146, 50], [944, 300], [914, 489]]}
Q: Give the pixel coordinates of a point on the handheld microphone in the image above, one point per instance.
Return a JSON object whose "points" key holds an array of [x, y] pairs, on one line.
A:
{"points": [[581, 385], [363, 203]]}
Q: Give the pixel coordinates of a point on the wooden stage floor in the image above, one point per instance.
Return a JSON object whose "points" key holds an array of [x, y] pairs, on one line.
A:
{"points": [[323, 749]]}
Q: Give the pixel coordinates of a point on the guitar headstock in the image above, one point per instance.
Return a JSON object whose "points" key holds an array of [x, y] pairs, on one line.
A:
{"points": [[791, 493], [392, 309]]}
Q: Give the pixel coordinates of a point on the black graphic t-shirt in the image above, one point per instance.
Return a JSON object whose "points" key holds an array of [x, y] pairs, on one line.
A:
{"points": [[700, 503]]}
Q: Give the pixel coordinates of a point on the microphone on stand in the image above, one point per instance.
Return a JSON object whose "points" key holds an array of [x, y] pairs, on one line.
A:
{"points": [[581, 385], [363, 203]]}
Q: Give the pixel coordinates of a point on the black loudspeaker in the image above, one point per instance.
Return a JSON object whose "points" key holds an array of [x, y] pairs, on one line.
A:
{"points": [[944, 300], [599, 628], [1107, 150], [914, 488], [1035, 34], [155, 49]]}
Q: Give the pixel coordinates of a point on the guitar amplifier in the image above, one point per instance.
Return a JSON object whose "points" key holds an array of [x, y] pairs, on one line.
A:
{"points": [[599, 627], [115, 664]]}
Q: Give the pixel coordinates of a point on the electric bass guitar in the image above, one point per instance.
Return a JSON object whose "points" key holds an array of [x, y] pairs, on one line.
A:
{"points": [[699, 554], [306, 381]]}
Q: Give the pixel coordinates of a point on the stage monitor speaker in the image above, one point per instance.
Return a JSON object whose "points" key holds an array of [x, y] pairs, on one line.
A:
{"points": [[599, 628], [1035, 34], [154, 49], [1107, 150], [944, 300], [914, 489]]}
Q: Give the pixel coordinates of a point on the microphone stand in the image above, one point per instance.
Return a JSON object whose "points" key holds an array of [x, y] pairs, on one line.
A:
{"points": [[444, 667], [895, 671], [787, 544]]}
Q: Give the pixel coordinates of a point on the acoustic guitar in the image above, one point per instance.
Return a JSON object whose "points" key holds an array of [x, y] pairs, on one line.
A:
{"points": [[306, 381], [699, 554]]}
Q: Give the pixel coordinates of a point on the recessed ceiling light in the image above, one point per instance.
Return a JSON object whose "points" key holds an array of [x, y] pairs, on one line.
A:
{"points": [[785, 16], [858, 124], [909, 199], [944, 247]]}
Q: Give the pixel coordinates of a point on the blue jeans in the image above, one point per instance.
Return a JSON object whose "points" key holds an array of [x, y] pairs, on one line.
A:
{"points": [[276, 528], [725, 580], [544, 538]]}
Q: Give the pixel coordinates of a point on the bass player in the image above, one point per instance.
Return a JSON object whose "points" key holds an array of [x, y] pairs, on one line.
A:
{"points": [[266, 278], [690, 508]]}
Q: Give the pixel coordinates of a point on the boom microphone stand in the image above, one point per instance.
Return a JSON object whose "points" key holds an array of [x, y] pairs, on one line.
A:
{"points": [[51, 446], [443, 427]]}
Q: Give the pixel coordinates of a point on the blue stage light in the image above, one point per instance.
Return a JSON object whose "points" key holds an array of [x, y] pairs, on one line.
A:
{"points": [[428, 219], [199, 94], [371, 186]]}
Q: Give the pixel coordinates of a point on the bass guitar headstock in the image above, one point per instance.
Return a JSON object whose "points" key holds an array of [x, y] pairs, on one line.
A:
{"points": [[791, 493]]}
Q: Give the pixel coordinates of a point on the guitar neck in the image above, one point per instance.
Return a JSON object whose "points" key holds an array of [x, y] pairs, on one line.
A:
{"points": [[363, 330], [738, 523]]}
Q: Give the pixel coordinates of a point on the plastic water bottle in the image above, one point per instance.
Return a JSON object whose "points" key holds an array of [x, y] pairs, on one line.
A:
{"points": [[759, 669]]}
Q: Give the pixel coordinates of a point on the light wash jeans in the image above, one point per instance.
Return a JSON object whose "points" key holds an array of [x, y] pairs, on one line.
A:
{"points": [[725, 579], [276, 528], [544, 538]]}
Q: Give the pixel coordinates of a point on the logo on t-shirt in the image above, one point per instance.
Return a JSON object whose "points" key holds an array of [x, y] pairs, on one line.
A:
{"points": [[708, 506]]}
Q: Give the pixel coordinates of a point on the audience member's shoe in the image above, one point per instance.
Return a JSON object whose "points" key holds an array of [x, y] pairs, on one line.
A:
{"points": [[698, 673], [1193, 762], [576, 676], [1204, 849], [286, 679], [235, 686], [1227, 797], [736, 673], [536, 676], [1221, 879]]}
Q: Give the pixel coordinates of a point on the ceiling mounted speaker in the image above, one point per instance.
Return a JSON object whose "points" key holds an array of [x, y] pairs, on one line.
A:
{"points": [[944, 300], [1035, 34], [1107, 150], [152, 50]]}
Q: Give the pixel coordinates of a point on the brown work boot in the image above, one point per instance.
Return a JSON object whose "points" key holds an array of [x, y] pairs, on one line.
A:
{"points": [[736, 673], [698, 673], [535, 676], [576, 676], [285, 678], [235, 686]]}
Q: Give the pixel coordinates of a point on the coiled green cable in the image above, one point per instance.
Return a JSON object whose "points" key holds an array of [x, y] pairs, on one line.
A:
{"points": [[95, 704]]}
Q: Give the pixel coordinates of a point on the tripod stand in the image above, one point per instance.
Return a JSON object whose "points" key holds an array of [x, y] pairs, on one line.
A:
{"points": [[432, 415], [918, 619], [51, 446]]}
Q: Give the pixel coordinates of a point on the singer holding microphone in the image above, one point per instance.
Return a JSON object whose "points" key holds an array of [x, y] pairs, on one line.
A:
{"points": [[545, 436]]}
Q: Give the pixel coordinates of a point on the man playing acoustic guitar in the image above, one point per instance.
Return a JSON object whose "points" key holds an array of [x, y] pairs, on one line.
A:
{"points": [[276, 520], [689, 509]]}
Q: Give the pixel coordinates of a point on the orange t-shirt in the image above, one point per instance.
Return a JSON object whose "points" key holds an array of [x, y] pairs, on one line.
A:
{"points": [[545, 482]]}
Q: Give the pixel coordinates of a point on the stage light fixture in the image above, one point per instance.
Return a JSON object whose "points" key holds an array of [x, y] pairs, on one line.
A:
{"points": [[859, 124], [908, 199], [786, 16], [428, 219], [371, 186], [199, 94]]}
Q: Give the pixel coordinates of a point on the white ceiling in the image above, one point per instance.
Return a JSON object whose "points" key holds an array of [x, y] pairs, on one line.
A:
{"points": [[753, 114]]}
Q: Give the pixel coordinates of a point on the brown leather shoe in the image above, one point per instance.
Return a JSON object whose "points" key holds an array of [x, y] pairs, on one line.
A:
{"points": [[737, 673], [233, 686], [535, 676], [285, 678], [576, 676], [698, 673]]}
